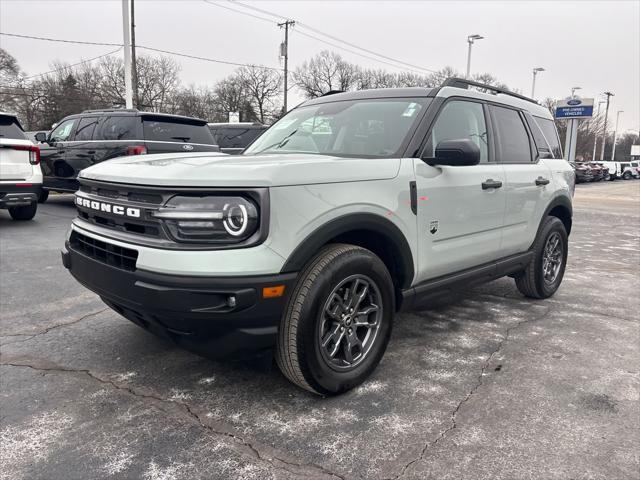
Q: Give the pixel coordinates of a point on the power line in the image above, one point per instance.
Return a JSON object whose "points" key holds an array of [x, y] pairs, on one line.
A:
{"points": [[195, 57], [73, 65], [238, 11], [309, 27], [78, 42], [168, 52]]}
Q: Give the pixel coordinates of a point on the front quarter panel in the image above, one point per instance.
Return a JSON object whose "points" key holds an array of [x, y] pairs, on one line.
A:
{"points": [[299, 211]]}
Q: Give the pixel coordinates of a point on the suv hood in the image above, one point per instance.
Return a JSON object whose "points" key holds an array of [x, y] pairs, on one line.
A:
{"points": [[219, 170]]}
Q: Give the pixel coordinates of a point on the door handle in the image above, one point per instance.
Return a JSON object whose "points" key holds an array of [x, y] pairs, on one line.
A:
{"points": [[542, 181], [490, 183], [91, 152]]}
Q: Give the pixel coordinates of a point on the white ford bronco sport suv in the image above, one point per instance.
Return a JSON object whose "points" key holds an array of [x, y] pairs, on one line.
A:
{"points": [[20, 175], [351, 207]]}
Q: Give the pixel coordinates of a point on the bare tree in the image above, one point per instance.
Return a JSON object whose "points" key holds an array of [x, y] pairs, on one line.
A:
{"points": [[231, 96], [262, 86], [325, 72]]}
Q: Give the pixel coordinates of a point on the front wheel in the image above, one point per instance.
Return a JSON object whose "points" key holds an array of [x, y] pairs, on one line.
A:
{"points": [[544, 274], [627, 175], [23, 213], [337, 323], [44, 194]]}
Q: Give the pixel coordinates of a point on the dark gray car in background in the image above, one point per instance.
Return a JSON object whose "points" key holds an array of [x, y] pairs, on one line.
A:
{"points": [[81, 140]]}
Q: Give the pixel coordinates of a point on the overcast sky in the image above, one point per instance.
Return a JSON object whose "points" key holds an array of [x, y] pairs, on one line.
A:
{"points": [[591, 44]]}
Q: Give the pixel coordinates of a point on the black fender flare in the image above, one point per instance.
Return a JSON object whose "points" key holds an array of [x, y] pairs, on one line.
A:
{"points": [[558, 201], [352, 223]]}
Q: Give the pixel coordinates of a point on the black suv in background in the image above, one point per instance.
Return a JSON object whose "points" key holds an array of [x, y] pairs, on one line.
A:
{"points": [[233, 138], [91, 137]]}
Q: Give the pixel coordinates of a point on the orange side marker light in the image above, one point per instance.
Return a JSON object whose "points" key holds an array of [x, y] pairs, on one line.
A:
{"points": [[273, 292]]}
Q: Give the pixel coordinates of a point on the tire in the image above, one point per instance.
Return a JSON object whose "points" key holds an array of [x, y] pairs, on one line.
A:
{"points": [[306, 322], [626, 175], [23, 213], [532, 282], [44, 194]]}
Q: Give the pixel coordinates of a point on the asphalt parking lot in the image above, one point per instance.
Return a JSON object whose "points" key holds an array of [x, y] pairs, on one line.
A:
{"points": [[484, 384]]}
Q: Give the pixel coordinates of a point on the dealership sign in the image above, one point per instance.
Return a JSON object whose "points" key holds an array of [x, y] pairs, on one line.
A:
{"points": [[575, 108]]}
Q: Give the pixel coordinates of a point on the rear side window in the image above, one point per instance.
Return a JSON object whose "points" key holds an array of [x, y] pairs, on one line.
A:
{"points": [[548, 127], [511, 136], [119, 128], [170, 130], [85, 129], [235, 137], [544, 151], [10, 129]]}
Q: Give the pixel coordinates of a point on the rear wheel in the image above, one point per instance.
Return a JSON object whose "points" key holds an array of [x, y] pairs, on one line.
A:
{"points": [[23, 213], [44, 194], [338, 320], [544, 274]]}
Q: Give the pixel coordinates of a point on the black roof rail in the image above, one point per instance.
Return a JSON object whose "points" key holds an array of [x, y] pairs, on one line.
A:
{"points": [[331, 92], [464, 83], [99, 110]]}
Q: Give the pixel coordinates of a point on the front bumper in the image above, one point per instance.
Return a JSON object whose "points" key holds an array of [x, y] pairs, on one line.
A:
{"points": [[195, 312], [19, 195]]}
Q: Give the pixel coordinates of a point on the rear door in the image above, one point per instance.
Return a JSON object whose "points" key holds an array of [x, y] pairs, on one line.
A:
{"points": [[58, 174], [14, 162], [460, 209], [526, 175], [169, 134]]}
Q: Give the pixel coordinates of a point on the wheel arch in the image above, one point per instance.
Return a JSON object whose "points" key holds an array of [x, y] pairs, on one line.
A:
{"points": [[561, 208], [366, 230]]}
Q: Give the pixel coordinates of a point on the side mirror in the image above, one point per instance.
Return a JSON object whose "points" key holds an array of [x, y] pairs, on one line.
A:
{"points": [[41, 137], [457, 153]]}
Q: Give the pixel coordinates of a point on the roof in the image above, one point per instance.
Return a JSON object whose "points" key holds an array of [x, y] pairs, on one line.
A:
{"points": [[372, 93], [134, 112]]}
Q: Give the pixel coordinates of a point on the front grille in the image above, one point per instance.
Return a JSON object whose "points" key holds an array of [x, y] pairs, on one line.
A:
{"points": [[103, 252]]}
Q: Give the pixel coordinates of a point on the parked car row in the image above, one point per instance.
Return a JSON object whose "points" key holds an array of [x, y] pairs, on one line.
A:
{"points": [[597, 171]]}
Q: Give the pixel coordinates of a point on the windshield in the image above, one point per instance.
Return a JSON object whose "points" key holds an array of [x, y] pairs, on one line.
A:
{"points": [[371, 128]]}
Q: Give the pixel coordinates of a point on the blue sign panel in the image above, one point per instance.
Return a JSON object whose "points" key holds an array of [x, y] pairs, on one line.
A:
{"points": [[574, 111]]}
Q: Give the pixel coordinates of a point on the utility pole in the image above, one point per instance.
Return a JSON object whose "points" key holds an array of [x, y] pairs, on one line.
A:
{"points": [[134, 67], [533, 85], [284, 52], [604, 130], [615, 136], [595, 134], [128, 94]]}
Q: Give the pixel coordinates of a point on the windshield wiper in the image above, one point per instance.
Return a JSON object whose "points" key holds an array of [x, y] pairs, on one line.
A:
{"points": [[278, 144]]}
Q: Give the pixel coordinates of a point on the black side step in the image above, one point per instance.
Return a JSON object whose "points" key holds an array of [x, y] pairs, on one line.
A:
{"points": [[419, 294]]}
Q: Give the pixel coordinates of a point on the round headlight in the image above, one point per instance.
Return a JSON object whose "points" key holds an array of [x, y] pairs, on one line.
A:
{"points": [[235, 219]]}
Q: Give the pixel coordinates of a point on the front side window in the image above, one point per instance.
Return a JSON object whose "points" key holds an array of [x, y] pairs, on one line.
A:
{"points": [[370, 128], [85, 129], [63, 131], [460, 120], [120, 128], [512, 137]]}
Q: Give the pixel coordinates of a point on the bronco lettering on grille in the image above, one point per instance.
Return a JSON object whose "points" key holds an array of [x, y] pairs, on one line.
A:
{"points": [[108, 208]]}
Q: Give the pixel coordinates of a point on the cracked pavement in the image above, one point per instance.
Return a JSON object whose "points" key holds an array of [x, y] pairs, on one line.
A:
{"points": [[482, 384]]}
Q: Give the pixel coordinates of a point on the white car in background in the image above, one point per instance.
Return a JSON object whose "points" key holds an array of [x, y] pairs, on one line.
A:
{"points": [[625, 170], [20, 174]]}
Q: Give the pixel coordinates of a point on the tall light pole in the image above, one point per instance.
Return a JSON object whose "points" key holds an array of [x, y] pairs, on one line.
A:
{"points": [[595, 133], [128, 95], [604, 129], [533, 85], [470, 40], [573, 90], [615, 135]]}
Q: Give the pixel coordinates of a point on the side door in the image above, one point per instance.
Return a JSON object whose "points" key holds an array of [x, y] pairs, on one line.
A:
{"points": [[53, 157], [81, 151], [460, 209], [528, 179]]}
